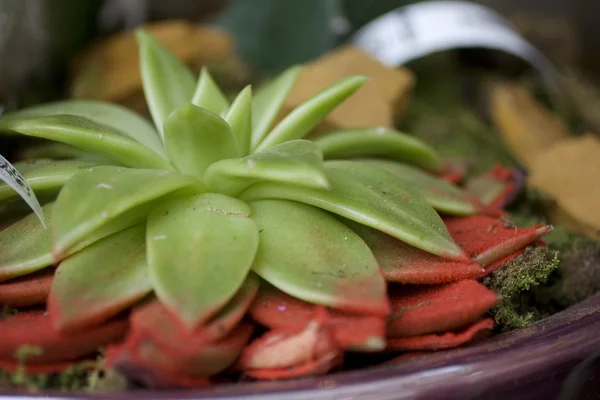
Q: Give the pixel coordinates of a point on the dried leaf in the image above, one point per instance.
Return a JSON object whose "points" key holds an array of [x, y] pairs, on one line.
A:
{"points": [[526, 126], [34, 328], [377, 103], [568, 173]]}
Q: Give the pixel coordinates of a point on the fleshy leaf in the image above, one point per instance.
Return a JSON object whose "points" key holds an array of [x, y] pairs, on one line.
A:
{"points": [[13, 179], [59, 151], [373, 197], [25, 246], [200, 249], [441, 195], [111, 194], [309, 254], [239, 117], [88, 135], [297, 162], [98, 282], [168, 83], [308, 115], [208, 95], [400, 262], [127, 122], [268, 101], [46, 176], [381, 141], [196, 138]]}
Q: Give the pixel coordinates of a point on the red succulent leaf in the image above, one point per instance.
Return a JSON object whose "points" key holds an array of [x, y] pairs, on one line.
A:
{"points": [[280, 311], [421, 310], [320, 366], [499, 187], [157, 342], [476, 331], [402, 263], [35, 328], [453, 172], [287, 353], [488, 240], [26, 291]]}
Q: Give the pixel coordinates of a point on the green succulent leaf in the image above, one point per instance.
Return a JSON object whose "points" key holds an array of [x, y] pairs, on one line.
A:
{"points": [[374, 197], [88, 135], [269, 100], [100, 281], [381, 141], [168, 83], [15, 183], [196, 138], [441, 195], [127, 122], [25, 246], [98, 196], [308, 115], [297, 162], [59, 151], [310, 255], [239, 117], [208, 95], [200, 249], [45, 176]]}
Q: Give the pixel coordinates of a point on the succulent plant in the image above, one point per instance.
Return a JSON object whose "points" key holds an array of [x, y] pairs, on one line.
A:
{"points": [[177, 219]]}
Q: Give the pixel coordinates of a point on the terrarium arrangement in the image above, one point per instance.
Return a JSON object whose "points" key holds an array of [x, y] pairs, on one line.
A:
{"points": [[224, 242]]}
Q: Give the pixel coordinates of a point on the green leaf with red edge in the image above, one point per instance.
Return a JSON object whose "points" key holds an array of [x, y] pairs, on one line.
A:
{"points": [[297, 162], [239, 117], [298, 123], [88, 135], [100, 281], [196, 138], [200, 249], [268, 101], [112, 194], [400, 262], [441, 195], [373, 197], [168, 84], [381, 142], [308, 254], [46, 177], [208, 95]]}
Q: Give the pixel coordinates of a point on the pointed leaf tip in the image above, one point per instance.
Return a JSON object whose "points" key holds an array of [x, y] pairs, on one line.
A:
{"points": [[269, 100], [239, 117], [195, 138], [167, 82], [208, 95], [298, 123]]}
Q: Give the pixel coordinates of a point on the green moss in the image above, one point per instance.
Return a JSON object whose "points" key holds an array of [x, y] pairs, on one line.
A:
{"points": [[89, 376], [516, 283]]}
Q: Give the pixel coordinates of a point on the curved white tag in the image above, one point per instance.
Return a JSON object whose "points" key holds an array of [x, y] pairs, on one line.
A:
{"points": [[413, 31]]}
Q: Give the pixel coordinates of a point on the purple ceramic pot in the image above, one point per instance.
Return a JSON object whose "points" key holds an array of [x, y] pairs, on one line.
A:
{"points": [[556, 358]]}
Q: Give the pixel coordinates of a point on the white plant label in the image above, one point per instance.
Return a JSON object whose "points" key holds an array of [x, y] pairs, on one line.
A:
{"points": [[413, 31], [15, 180]]}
